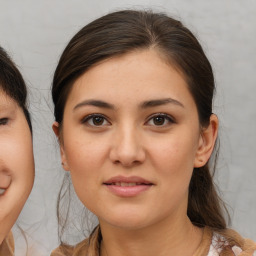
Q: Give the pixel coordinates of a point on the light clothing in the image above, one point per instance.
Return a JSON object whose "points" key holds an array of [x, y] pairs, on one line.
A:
{"points": [[212, 244]]}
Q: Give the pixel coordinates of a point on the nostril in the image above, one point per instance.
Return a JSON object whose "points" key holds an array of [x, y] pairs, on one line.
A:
{"points": [[126, 163], [127, 152], [116, 162]]}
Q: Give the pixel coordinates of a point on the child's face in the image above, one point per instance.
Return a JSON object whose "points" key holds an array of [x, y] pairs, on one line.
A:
{"points": [[16, 162], [131, 138]]}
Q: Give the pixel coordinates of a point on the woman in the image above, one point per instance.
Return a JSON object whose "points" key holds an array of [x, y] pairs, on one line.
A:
{"points": [[133, 97], [16, 155]]}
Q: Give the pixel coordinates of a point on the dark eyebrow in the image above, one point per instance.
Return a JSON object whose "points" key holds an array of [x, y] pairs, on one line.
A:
{"points": [[96, 103], [159, 102], [146, 104]]}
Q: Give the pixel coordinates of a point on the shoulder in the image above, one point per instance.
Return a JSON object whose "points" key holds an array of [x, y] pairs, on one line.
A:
{"points": [[7, 246], [229, 242]]}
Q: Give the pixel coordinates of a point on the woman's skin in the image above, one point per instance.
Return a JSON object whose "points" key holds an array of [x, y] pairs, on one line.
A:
{"points": [[131, 138], [16, 162]]}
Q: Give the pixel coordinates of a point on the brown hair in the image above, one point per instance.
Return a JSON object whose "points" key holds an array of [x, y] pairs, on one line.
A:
{"points": [[125, 31]]}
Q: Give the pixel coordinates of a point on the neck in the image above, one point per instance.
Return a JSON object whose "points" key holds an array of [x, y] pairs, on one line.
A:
{"points": [[179, 238]]}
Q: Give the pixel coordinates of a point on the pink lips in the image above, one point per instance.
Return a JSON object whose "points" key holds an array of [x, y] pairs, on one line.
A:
{"points": [[127, 186]]}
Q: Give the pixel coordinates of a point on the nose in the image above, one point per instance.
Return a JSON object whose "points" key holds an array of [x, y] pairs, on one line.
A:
{"points": [[127, 148]]}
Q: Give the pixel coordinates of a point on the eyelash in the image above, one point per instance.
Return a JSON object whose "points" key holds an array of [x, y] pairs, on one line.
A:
{"points": [[167, 118], [4, 121], [91, 117]]}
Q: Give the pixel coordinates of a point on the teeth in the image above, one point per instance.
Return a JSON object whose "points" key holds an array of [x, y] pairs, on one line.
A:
{"points": [[2, 190]]}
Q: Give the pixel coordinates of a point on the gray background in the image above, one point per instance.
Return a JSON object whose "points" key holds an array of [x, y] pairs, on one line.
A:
{"points": [[35, 33]]}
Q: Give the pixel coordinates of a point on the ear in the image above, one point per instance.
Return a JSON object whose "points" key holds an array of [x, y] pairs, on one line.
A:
{"points": [[56, 129], [207, 141]]}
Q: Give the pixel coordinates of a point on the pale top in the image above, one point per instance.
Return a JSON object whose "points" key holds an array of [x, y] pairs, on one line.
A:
{"points": [[212, 244]]}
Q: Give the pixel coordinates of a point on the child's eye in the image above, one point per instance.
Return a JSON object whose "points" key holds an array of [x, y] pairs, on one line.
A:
{"points": [[160, 120], [95, 120], [4, 121]]}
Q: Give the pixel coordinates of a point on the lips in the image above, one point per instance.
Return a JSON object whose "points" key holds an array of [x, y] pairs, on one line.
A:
{"points": [[118, 180], [2, 190], [127, 186]]}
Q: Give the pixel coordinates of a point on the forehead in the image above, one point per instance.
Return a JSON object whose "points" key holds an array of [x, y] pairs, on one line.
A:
{"points": [[6, 102], [135, 76]]}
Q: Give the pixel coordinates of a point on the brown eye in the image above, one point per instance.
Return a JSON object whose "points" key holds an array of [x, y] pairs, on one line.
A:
{"points": [[3, 121], [159, 120], [95, 120], [98, 120]]}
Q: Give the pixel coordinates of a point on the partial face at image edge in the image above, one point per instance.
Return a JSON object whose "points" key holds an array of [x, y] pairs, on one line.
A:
{"points": [[16, 162]]}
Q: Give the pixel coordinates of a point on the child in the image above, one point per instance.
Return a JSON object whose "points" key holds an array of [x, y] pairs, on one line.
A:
{"points": [[16, 154]]}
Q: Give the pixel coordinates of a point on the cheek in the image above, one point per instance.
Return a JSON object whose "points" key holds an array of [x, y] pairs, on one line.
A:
{"points": [[83, 153], [174, 156], [16, 160], [84, 160], [5, 179], [173, 161], [18, 148]]}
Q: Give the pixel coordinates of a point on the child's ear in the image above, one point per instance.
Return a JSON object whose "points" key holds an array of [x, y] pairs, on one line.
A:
{"points": [[206, 142], [56, 129]]}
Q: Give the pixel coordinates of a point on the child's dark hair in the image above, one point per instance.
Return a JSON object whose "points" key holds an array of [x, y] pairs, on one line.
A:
{"points": [[12, 83]]}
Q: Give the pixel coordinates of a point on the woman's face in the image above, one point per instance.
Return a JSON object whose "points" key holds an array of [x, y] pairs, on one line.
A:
{"points": [[16, 162], [130, 138]]}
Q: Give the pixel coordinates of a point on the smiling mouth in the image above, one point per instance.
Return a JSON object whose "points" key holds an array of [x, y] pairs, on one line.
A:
{"points": [[2, 190]]}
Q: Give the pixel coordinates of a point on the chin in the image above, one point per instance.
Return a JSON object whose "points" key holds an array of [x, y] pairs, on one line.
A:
{"points": [[126, 221]]}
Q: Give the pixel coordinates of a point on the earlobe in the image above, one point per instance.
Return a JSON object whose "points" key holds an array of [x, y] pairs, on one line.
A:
{"points": [[63, 158], [55, 127], [206, 142]]}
